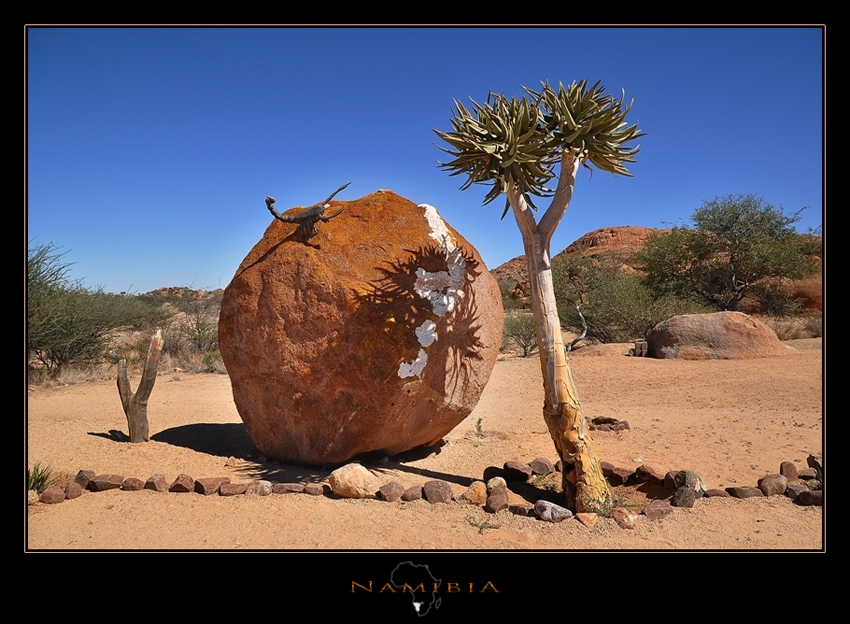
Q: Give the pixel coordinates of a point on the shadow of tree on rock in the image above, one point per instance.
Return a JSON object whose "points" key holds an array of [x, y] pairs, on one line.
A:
{"points": [[397, 297]]}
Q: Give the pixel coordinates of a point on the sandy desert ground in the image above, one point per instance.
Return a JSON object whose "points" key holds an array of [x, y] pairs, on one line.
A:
{"points": [[731, 421]]}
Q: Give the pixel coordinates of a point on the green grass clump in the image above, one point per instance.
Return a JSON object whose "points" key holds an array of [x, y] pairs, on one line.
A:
{"points": [[39, 478]]}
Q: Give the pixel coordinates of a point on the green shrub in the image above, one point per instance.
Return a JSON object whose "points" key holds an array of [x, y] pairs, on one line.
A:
{"points": [[520, 332], [212, 363], [616, 305], [737, 241], [814, 325], [774, 300], [81, 325], [70, 324]]}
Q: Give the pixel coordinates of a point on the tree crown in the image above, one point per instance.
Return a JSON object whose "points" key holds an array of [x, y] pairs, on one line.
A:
{"points": [[520, 140], [737, 241], [744, 219]]}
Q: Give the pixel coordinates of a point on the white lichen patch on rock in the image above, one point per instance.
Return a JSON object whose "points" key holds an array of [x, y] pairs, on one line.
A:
{"points": [[427, 333], [414, 368], [442, 289], [439, 230]]}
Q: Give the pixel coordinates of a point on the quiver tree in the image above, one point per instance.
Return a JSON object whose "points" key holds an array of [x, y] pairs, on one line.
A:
{"points": [[515, 145], [136, 405]]}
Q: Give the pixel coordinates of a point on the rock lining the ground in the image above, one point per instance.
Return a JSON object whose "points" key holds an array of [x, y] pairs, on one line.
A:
{"points": [[681, 488]]}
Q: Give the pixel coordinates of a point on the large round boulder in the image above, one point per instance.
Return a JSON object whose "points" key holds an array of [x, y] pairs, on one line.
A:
{"points": [[718, 336], [378, 334]]}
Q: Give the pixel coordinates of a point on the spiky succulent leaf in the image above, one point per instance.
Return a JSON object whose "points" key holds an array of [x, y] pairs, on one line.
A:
{"points": [[520, 140], [498, 141], [592, 123]]}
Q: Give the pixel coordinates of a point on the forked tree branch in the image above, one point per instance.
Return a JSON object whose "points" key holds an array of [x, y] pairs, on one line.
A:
{"points": [[136, 405], [570, 162]]}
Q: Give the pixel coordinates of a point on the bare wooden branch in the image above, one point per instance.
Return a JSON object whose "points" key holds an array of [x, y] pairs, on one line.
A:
{"points": [[640, 348], [583, 333], [136, 405], [563, 195]]}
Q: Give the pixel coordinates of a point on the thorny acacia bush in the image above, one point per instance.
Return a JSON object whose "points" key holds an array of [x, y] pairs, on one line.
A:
{"points": [[615, 303], [520, 332], [199, 326], [190, 338], [68, 324], [739, 246], [76, 334]]}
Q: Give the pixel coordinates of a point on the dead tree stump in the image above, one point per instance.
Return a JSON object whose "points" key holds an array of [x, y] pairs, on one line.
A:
{"points": [[136, 405], [640, 349]]}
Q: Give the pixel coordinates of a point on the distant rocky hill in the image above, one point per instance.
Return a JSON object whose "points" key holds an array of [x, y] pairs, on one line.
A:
{"points": [[619, 241], [511, 272], [178, 294]]}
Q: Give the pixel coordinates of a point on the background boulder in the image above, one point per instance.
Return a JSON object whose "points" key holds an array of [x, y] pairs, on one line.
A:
{"points": [[718, 336], [376, 335]]}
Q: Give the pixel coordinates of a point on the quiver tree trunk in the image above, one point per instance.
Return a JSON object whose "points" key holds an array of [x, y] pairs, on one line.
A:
{"points": [[515, 143], [136, 405], [585, 487]]}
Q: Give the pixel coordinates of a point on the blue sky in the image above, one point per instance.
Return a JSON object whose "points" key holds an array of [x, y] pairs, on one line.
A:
{"points": [[150, 150]]}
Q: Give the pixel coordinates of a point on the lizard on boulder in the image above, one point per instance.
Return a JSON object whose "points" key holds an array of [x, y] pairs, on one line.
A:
{"points": [[307, 220]]}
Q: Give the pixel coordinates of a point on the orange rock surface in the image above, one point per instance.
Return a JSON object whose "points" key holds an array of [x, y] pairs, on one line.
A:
{"points": [[377, 335]]}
